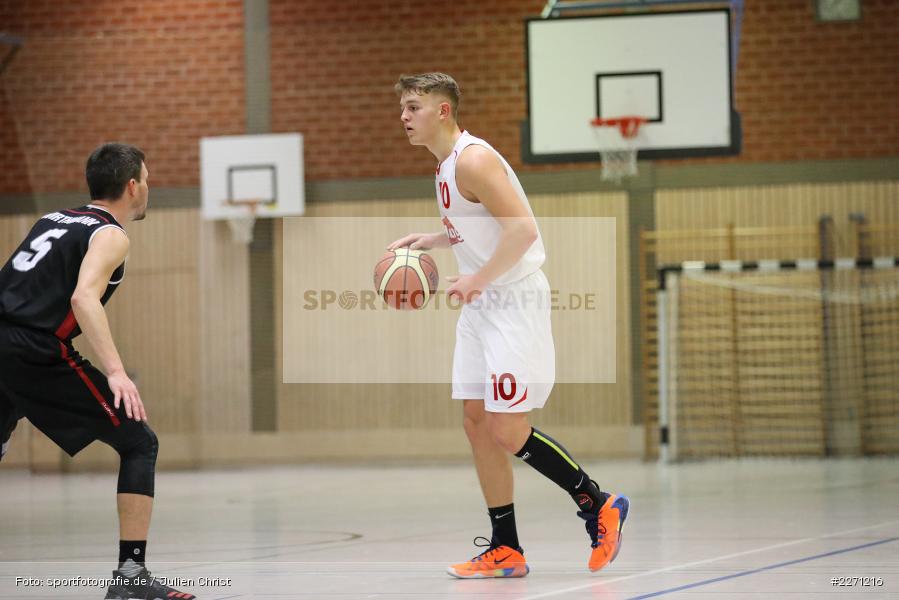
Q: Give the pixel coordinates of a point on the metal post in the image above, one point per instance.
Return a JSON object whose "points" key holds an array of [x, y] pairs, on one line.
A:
{"points": [[662, 341], [666, 305]]}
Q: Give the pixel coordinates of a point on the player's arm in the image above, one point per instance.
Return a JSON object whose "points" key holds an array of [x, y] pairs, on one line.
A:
{"points": [[107, 251], [481, 177]]}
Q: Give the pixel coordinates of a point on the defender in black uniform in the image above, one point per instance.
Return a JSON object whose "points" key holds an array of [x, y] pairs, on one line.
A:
{"points": [[52, 289]]}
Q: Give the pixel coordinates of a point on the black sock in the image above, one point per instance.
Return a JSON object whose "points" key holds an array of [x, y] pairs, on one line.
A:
{"points": [[587, 495], [553, 461], [136, 550], [502, 518]]}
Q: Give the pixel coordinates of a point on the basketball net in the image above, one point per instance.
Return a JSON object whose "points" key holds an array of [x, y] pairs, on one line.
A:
{"points": [[617, 142], [242, 227]]}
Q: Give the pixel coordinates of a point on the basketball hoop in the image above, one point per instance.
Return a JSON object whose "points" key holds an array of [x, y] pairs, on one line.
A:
{"points": [[242, 226], [617, 142]]}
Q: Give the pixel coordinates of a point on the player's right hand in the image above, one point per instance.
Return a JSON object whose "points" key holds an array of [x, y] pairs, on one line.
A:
{"points": [[126, 393], [420, 241]]}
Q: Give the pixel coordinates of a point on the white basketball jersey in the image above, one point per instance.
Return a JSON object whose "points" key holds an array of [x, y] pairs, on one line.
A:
{"points": [[473, 232]]}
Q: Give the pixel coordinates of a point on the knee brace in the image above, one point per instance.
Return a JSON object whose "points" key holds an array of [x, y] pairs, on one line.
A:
{"points": [[138, 447]]}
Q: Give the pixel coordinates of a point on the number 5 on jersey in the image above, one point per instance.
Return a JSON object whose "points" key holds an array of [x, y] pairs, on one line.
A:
{"points": [[25, 261]]}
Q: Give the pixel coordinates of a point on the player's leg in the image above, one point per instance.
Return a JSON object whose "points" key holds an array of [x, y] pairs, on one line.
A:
{"points": [[494, 474], [512, 432], [138, 447], [491, 461], [520, 358], [502, 557], [603, 512], [74, 406]]}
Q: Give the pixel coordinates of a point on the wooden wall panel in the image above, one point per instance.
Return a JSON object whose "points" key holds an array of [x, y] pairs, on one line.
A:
{"points": [[779, 206], [12, 229], [581, 403], [224, 330], [153, 317]]}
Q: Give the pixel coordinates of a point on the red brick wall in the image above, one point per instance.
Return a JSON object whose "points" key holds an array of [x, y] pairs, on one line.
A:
{"points": [[812, 90], [806, 90], [13, 167], [163, 73], [155, 73], [334, 66]]}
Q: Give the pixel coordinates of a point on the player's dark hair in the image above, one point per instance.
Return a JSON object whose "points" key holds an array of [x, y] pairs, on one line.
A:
{"points": [[109, 169], [427, 83]]}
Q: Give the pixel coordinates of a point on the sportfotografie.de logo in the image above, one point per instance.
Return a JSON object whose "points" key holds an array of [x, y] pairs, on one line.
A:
{"points": [[326, 299]]}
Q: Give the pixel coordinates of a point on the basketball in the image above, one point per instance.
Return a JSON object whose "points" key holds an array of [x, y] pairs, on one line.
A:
{"points": [[406, 278]]}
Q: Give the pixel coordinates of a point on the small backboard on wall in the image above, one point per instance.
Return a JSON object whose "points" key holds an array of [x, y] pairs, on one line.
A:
{"points": [[263, 171]]}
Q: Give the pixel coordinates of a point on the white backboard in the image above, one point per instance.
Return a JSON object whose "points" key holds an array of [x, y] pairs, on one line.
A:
{"points": [[673, 68], [237, 168]]}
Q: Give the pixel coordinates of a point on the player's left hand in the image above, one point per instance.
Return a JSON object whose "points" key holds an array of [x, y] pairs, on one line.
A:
{"points": [[466, 287], [125, 392]]}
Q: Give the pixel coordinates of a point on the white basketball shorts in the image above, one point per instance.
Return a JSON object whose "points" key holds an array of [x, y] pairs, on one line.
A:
{"points": [[504, 347]]}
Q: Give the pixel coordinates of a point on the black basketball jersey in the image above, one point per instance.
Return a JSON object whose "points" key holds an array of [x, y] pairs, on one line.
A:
{"points": [[37, 282]]}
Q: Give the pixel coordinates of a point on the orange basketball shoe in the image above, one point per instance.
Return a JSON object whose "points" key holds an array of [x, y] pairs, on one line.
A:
{"points": [[604, 529], [495, 561]]}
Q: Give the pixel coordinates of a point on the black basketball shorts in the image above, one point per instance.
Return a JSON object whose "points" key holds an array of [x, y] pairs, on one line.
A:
{"points": [[46, 381]]}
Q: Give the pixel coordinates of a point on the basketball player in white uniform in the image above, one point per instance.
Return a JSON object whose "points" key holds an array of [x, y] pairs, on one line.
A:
{"points": [[504, 360]]}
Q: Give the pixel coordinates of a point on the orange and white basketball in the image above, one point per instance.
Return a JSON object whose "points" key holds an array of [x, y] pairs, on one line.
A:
{"points": [[406, 278]]}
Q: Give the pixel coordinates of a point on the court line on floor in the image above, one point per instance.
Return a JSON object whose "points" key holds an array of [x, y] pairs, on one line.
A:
{"points": [[760, 569], [712, 560]]}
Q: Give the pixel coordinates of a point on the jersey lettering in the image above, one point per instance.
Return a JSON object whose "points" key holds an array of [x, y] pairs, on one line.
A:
{"points": [[58, 217], [451, 232]]}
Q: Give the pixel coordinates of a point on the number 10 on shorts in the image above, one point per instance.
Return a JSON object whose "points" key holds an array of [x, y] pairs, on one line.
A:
{"points": [[504, 386]]}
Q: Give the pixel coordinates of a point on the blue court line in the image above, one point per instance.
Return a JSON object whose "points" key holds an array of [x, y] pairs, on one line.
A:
{"points": [[761, 569]]}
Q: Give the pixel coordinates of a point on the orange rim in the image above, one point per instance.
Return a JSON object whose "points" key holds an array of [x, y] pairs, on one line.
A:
{"points": [[629, 126]]}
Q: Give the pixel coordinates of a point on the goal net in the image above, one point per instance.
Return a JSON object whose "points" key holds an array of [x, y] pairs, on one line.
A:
{"points": [[779, 358]]}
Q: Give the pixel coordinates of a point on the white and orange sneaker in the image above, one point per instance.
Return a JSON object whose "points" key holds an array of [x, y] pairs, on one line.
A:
{"points": [[495, 561], [604, 529]]}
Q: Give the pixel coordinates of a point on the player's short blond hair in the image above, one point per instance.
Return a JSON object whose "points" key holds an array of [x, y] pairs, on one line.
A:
{"points": [[429, 83]]}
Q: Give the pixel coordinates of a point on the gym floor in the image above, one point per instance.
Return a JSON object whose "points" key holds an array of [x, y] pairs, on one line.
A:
{"points": [[723, 529]]}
